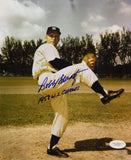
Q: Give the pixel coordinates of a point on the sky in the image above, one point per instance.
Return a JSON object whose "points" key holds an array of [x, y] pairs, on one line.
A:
{"points": [[29, 19]]}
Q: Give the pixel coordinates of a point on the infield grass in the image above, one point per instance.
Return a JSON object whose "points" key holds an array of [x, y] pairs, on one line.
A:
{"points": [[25, 110], [29, 81], [17, 81]]}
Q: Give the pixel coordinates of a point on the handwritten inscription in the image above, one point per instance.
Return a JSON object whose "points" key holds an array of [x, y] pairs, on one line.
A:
{"points": [[65, 91], [52, 83]]}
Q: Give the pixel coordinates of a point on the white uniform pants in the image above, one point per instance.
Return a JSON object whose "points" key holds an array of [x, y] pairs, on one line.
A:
{"points": [[59, 103]]}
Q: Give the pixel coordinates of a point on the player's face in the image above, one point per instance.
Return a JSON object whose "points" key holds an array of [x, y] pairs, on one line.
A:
{"points": [[52, 38]]}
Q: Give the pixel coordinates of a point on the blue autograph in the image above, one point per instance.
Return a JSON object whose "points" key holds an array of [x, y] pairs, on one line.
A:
{"points": [[65, 91], [60, 80]]}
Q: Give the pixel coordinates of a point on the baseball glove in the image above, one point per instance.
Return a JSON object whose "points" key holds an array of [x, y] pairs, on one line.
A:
{"points": [[112, 95], [90, 60]]}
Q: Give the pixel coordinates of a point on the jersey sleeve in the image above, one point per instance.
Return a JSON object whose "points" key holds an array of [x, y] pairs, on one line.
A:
{"points": [[50, 52], [43, 55], [59, 63]]}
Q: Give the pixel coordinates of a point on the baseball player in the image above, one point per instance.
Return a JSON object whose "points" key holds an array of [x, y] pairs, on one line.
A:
{"points": [[56, 77]]}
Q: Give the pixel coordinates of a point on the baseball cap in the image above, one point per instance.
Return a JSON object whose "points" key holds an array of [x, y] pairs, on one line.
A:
{"points": [[53, 29]]}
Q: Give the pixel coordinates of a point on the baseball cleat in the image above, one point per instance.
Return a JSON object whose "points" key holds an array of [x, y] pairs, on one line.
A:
{"points": [[57, 152], [112, 95]]}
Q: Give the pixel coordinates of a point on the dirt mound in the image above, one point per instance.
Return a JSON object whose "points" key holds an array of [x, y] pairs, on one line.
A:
{"points": [[81, 141]]}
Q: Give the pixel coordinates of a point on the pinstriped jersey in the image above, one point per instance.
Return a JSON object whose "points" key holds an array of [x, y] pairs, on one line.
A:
{"points": [[45, 53]]}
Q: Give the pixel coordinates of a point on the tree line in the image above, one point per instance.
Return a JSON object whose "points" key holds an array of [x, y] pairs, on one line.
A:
{"points": [[113, 53]]}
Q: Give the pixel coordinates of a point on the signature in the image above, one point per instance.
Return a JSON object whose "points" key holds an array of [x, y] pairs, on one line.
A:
{"points": [[48, 97], [60, 80]]}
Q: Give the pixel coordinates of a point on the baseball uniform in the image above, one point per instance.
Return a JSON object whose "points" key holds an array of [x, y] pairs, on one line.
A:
{"points": [[57, 77], [43, 69]]}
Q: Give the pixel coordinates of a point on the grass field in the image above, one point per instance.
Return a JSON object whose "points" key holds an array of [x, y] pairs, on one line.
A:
{"points": [[28, 81], [24, 109], [20, 109], [17, 81]]}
